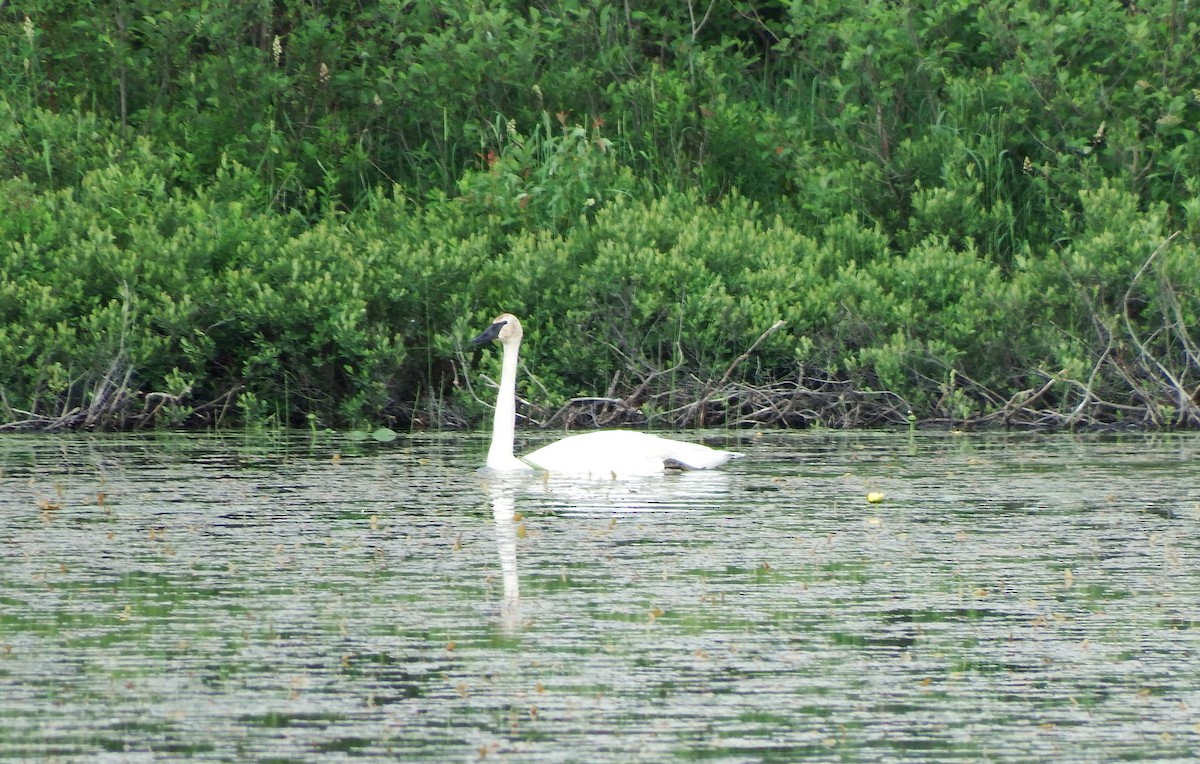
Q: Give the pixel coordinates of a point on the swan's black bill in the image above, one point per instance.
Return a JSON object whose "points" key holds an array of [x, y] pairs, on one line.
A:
{"points": [[489, 334]]}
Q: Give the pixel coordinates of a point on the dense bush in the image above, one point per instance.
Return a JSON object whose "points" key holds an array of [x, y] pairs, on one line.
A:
{"points": [[292, 212]]}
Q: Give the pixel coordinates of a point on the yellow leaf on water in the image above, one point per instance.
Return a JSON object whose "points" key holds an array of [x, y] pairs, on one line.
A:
{"points": [[875, 497]]}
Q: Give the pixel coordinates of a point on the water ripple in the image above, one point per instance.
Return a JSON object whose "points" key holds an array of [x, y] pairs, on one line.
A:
{"points": [[1013, 598]]}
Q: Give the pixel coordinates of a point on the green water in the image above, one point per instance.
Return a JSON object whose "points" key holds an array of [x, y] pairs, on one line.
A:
{"points": [[268, 598]]}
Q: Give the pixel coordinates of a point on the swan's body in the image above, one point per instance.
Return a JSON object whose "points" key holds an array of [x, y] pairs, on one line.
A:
{"points": [[605, 453]]}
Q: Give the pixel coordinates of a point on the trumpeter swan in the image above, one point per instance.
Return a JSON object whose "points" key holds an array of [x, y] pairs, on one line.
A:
{"points": [[604, 453]]}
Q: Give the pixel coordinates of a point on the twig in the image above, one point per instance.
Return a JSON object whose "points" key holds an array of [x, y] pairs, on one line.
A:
{"points": [[693, 412], [1177, 386], [737, 361]]}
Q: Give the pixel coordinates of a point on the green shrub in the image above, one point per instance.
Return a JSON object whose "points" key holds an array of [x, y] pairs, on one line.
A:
{"points": [[297, 214]]}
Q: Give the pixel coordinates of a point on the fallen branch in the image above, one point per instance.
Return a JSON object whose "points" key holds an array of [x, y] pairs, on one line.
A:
{"points": [[695, 411]]}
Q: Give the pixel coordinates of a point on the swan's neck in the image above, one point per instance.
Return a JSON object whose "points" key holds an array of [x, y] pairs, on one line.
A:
{"points": [[500, 455]]}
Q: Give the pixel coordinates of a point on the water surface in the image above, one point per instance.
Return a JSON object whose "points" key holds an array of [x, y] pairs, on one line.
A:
{"points": [[285, 598]]}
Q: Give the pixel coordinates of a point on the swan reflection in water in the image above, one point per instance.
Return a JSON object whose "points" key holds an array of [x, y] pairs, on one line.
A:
{"points": [[502, 491], [564, 496]]}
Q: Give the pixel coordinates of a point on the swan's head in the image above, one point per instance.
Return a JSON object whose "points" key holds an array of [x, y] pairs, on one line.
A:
{"points": [[505, 328]]}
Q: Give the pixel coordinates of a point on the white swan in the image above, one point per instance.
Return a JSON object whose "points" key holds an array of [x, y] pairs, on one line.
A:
{"points": [[605, 453]]}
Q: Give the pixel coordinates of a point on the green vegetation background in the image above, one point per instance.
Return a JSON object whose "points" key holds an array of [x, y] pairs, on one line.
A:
{"points": [[298, 211]]}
